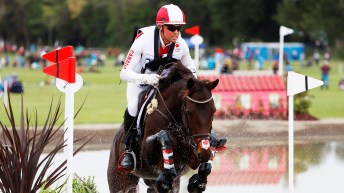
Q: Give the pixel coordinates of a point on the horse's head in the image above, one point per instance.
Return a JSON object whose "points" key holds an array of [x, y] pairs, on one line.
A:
{"points": [[198, 111]]}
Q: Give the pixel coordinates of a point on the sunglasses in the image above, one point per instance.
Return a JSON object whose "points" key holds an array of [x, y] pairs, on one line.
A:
{"points": [[173, 28]]}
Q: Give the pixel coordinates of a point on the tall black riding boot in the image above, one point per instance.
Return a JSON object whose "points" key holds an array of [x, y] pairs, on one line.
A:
{"points": [[216, 141], [127, 162]]}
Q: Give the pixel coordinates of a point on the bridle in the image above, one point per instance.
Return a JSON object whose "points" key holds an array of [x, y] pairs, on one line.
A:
{"points": [[196, 138], [199, 102], [185, 117]]}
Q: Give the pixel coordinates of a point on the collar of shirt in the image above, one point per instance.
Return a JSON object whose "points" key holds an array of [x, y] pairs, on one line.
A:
{"points": [[162, 43]]}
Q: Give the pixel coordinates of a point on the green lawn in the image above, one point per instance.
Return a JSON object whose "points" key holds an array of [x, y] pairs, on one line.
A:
{"points": [[326, 103], [105, 94], [106, 100]]}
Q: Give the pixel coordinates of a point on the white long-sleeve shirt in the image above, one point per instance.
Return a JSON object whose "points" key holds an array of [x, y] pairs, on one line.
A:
{"points": [[142, 51]]}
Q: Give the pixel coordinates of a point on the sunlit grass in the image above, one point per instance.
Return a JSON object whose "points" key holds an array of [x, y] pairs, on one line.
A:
{"points": [[106, 96]]}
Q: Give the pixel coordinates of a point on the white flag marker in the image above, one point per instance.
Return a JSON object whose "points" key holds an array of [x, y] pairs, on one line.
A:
{"points": [[283, 32], [296, 83], [69, 89], [63, 68]]}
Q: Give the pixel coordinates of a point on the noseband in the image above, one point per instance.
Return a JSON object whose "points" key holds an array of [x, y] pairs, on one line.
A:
{"points": [[199, 102], [185, 117]]}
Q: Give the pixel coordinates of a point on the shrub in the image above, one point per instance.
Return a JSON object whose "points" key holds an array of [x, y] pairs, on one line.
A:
{"points": [[84, 185], [21, 169]]}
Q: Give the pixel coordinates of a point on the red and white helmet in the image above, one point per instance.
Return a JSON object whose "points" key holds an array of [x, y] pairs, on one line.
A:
{"points": [[170, 14]]}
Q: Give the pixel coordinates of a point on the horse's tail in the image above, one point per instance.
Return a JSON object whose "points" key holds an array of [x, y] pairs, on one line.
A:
{"points": [[115, 150]]}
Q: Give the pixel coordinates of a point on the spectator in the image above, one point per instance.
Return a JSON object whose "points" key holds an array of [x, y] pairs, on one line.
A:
{"points": [[325, 68], [327, 56], [316, 57], [275, 66], [227, 66], [260, 62], [341, 84], [288, 66], [275, 63]]}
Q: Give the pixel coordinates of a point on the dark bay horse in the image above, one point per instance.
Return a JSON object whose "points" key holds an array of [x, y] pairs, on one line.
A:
{"points": [[175, 137]]}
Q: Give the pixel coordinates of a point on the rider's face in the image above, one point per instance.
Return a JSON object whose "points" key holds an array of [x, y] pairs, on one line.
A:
{"points": [[171, 33]]}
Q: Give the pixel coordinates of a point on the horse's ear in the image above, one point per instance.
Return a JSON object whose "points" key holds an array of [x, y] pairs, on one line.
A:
{"points": [[190, 83], [213, 84]]}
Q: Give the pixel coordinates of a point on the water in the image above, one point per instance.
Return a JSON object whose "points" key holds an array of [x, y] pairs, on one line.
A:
{"points": [[318, 168]]}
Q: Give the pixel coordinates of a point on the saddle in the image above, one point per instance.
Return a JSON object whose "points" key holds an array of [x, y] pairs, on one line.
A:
{"points": [[147, 98]]}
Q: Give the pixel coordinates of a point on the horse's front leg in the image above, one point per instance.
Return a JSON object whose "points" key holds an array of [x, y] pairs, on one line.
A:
{"points": [[166, 177], [198, 182]]}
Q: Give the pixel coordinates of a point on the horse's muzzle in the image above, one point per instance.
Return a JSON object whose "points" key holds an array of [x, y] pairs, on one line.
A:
{"points": [[203, 149], [204, 144]]}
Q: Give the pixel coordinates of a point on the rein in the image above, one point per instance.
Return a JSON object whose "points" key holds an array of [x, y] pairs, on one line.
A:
{"points": [[183, 109], [199, 135]]}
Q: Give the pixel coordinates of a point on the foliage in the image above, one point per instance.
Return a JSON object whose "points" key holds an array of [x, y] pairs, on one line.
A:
{"points": [[80, 185], [58, 189], [320, 20], [302, 102], [104, 23], [84, 185], [106, 94], [23, 168]]}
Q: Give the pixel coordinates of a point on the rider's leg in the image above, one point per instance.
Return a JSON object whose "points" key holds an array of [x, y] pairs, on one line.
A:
{"points": [[216, 141], [129, 123]]}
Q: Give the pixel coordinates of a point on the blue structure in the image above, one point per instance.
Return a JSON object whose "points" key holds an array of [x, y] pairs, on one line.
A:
{"points": [[270, 51]]}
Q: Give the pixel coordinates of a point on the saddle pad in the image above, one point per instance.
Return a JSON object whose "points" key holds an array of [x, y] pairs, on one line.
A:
{"points": [[142, 113]]}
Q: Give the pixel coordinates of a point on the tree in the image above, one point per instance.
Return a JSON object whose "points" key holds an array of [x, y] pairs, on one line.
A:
{"points": [[320, 20]]}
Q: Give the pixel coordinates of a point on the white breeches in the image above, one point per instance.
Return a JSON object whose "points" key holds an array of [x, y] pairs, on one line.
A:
{"points": [[133, 91]]}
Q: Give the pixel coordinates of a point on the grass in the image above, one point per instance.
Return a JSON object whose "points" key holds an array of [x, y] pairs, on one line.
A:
{"points": [[106, 97], [105, 101], [326, 103]]}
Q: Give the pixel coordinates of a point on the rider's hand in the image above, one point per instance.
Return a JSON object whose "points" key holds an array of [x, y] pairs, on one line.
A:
{"points": [[151, 79]]}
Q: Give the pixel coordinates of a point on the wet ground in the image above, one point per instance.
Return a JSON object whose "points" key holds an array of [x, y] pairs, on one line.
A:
{"points": [[256, 159]]}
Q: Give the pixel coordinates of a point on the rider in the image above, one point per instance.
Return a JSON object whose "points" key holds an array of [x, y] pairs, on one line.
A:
{"points": [[153, 46]]}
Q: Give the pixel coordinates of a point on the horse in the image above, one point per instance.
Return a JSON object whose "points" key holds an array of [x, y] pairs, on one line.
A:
{"points": [[175, 137]]}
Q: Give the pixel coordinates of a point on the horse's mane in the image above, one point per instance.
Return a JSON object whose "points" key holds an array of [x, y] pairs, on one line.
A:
{"points": [[174, 72]]}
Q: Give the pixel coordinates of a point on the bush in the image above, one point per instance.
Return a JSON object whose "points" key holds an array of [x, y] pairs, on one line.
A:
{"points": [[84, 185], [22, 165]]}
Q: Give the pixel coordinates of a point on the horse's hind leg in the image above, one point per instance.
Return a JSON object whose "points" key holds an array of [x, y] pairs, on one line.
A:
{"points": [[119, 181], [123, 182]]}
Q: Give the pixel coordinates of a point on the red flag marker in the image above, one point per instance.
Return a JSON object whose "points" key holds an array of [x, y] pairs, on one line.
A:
{"points": [[64, 67], [192, 30], [59, 54], [64, 70]]}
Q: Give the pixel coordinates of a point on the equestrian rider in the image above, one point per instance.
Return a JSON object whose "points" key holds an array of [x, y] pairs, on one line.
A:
{"points": [[153, 45]]}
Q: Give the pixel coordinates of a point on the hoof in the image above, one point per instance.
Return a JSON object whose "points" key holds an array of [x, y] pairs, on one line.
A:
{"points": [[196, 184], [164, 181]]}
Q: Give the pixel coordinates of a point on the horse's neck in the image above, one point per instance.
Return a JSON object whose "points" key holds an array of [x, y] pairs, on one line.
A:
{"points": [[174, 93]]}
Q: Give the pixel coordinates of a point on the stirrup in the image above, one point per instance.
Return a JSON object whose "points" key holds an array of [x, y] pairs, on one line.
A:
{"points": [[119, 166]]}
